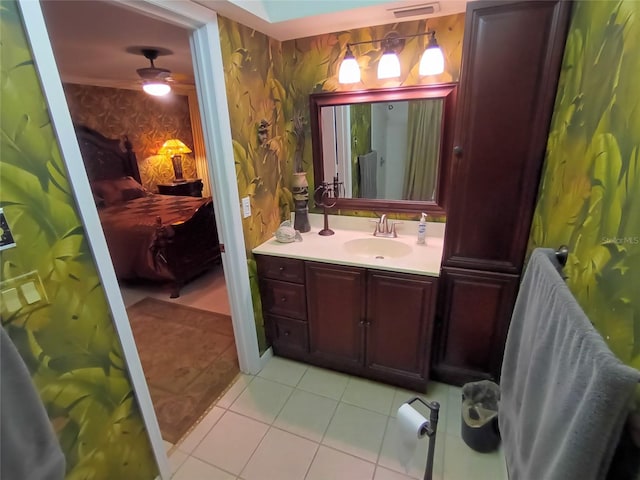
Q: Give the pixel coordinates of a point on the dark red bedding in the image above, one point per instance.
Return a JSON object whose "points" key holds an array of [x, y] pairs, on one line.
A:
{"points": [[136, 237]]}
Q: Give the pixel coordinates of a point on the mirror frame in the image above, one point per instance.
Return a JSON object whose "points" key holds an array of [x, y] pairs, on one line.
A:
{"points": [[446, 91]]}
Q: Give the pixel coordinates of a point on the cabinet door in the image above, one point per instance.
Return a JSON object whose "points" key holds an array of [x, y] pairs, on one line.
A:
{"points": [[476, 311], [335, 300], [512, 55], [399, 325]]}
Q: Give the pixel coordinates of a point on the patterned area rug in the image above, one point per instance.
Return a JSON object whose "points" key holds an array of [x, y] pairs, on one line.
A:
{"points": [[188, 356]]}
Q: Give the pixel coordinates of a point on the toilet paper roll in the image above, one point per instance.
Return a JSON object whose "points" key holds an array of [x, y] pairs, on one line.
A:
{"points": [[411, 426]]}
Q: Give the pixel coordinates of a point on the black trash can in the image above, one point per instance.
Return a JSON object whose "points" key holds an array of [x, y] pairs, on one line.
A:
{"points": [[480, 415]]}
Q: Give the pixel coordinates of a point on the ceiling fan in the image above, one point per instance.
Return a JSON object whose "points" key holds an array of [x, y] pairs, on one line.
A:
{"points": [[155, 80]]}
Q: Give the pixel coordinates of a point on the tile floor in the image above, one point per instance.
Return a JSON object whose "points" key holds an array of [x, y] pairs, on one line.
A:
{"points": [[293, 421], [207, 292]]}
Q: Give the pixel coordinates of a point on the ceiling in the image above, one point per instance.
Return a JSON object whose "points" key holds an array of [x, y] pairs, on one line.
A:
{"points": [[90, 38]]}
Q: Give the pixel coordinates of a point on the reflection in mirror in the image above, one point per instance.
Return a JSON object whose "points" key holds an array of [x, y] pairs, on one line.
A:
{"points": [[388, 148], [385, 150]]}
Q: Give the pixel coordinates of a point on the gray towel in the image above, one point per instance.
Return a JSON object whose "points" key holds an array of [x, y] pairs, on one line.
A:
{"points": [[368, 165], [564, 395], [29, 449]]}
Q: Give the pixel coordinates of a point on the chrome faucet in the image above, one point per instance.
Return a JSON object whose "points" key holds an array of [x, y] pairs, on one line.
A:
{"points": [[384, 228]]}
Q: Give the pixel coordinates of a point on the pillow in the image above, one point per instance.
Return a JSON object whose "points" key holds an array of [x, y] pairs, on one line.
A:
{"points": [[118, 190]]}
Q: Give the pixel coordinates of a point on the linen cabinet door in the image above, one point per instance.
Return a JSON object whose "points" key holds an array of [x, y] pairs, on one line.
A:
{"points": [[511, 61], [400, 311], [476, 312], [335, 300]]}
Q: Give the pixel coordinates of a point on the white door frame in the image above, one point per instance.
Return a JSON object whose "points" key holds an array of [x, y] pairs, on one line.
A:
{"points": [[210, 86]]}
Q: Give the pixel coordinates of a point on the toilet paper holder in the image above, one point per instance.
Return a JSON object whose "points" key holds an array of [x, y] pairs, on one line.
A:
{"points": [[430, 431]]}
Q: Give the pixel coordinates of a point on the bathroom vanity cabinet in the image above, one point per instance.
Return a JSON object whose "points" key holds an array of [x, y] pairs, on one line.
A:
{"points": [[511, 61], [363, 321]]}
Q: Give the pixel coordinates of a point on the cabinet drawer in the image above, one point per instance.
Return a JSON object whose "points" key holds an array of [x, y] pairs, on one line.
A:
{"points": [[288, 334], [280, 268], [283, 298]]}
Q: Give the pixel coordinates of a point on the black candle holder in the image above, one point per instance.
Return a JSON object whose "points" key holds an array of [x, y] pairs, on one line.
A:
{"points": [[323, 196]]}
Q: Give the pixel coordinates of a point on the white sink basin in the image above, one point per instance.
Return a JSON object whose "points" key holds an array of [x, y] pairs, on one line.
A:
{"points": [[377, 248]]}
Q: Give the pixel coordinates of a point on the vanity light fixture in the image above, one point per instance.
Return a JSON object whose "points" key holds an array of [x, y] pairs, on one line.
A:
{"points": [[431, 63], [349, 69]]}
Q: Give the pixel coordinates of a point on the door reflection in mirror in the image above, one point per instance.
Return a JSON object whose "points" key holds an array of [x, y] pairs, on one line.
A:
{"points": [[384, 150]]}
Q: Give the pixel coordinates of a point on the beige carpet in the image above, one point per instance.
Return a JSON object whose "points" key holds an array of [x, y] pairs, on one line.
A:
{"points": [[188, 356]]}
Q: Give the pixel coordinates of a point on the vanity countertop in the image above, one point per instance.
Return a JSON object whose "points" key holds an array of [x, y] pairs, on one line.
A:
{"points": [[422, 259]]}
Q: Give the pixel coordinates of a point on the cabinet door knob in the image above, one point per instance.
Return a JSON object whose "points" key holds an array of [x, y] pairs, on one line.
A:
{"points": [[457, 151], [361, 322], [283, 299], [281, 269], [286, 333]]}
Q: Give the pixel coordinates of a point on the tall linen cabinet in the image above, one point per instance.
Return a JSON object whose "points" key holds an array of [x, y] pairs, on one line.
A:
{"points": [[512, 55]]}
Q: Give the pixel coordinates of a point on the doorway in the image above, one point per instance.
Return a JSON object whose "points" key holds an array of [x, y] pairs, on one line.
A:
{"points": [[206, 293]]}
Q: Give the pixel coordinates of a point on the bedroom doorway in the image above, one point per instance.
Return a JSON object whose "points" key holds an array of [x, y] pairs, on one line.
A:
{"points": [[209, 291]]}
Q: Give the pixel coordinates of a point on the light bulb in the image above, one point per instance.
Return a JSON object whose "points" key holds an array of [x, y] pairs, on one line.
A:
{"points": [[157, 89], [349, 69], [432, 61], [389, 65]]}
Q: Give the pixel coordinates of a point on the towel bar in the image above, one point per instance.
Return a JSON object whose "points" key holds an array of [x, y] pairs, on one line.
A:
{"points": [[562, 254]]}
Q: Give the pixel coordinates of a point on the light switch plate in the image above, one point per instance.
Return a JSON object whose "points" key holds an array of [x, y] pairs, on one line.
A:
{"points": [[246, 207], [23, 294]]}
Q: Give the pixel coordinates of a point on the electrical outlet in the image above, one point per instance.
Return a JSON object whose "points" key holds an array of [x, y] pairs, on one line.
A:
{"points": [[246, 207]]}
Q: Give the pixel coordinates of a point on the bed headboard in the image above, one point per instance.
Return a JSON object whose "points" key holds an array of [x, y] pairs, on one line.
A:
{"points": [[104, 158]]}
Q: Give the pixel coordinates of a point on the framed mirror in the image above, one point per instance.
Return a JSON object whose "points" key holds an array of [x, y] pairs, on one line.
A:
{"points": [[387, 149]]}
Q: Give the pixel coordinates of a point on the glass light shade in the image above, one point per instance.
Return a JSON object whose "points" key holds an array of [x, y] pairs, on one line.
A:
{"points": [[389, 65], [349, 69], [432, 61], [157, 89], [173, 147]]}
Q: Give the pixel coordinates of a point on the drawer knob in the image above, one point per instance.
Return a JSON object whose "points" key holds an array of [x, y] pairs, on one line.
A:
{"points": [[283, 299], [281, 269], [286, 333]]}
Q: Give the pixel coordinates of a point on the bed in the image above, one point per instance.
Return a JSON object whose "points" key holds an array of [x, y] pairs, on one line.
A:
{"points": [[159, 238]]}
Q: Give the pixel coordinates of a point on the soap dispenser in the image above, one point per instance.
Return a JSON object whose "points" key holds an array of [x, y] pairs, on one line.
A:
{"points": [[422, 229]]}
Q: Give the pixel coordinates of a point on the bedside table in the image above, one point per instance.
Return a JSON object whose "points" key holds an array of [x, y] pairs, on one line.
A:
{"points": [[190, 188]]}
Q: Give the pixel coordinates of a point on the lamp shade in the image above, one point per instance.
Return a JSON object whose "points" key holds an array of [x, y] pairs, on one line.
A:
{"points": [[173, 147], [389, 65], [349, 69], [432, 61], [157, 89]]}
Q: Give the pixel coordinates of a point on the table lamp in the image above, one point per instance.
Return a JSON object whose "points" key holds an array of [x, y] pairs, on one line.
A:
{"points": [[175, 148]]}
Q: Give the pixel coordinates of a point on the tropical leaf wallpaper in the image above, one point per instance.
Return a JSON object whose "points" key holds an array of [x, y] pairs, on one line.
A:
{"points": [[147, 120], [590, 193], [268, 85], [69, 345]]}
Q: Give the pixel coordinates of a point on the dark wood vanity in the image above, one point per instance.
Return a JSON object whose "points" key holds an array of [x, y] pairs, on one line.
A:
{"points": [[386, 326], [367, 322]]}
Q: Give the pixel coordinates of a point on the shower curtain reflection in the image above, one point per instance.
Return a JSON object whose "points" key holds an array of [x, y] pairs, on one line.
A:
{"points": [[421, 173]]}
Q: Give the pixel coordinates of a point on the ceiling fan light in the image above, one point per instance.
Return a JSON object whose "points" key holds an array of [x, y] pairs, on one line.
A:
{"points": [[157, 89], [389, 65], [432, 61]]}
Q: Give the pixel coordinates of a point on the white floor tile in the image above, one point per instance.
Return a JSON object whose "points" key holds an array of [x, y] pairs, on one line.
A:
{"points": [[231, 442], [280, 456], [454, 411], [385, 474], [262, 400], [234, 391], [324, 382], [370, 395], [167, 446], [192, 440], [395, 456], [306, 414], [330, 464], [176, 459], [356, 431], [194, 469], [283, 370], [462, 462]]}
